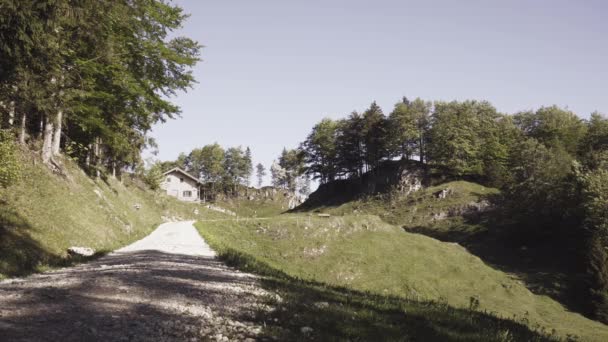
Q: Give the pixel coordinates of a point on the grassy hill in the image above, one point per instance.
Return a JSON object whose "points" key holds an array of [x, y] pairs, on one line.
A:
{"points": [[369, 245], [45, 213]]}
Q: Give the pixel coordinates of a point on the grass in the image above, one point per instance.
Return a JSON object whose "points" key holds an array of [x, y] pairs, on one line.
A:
{"points": [[421, 208], [244, 207], [546, 267], [341, 313], [44, 213], [364, 254]]}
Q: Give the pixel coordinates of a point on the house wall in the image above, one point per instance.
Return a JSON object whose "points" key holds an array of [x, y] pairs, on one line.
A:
{"points": [[176, 183]]}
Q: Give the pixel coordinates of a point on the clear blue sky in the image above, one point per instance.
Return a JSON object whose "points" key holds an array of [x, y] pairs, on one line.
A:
{"points": [[272, 69]]}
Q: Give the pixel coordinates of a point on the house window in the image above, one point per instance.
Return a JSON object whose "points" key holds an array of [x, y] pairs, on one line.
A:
{"points": [[181, 180], [187, 194], [168, 179]]}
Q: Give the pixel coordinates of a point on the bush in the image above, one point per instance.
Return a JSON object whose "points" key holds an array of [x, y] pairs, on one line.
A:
{"points": [[10, 167]]}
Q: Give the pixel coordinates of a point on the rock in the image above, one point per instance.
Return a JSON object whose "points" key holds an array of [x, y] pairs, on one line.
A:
{"points": [[321, 305], [440, 216], [81, 251], [443, 193], [410, 181], [306, 330]]}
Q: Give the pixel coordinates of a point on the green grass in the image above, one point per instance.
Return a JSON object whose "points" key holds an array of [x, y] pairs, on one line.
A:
{"points": [[44, 213], [254, 208], [365, 254], [419, 209]]}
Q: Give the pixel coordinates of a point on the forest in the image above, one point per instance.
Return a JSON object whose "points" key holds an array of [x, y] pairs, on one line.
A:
{"points": [[90, 78]]}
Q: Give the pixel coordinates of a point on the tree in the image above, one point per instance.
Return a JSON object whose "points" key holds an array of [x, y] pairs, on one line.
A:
{"points": [[260, 173], [594, 200], [553, 127], [97, 72], [594, 146], [206, 163], [320, 151], [292, 163], [408, 124], [247, 166], [375, 137], [237, 167], [278, 175], [350, 146], [464, 136]]}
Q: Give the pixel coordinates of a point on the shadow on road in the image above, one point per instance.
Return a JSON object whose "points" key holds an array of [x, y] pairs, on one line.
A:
{"points": [[139, 296]]}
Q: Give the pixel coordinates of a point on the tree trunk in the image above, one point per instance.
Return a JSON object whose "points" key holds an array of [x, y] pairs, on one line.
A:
{"points": [[97, 158], [47, 140], [22, 128], [87, 160], [421, 149], [11, 114], [57, 134]]}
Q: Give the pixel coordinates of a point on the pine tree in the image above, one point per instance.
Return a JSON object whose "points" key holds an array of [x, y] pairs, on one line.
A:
{"points": [[260, 173]]}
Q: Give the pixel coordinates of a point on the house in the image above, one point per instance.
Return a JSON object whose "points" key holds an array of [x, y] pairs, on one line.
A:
{"points": [[180, 184]]}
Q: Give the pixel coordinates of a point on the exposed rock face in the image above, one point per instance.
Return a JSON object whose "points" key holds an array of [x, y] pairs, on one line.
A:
{"points": [[402, 177], [81, 251], [295, 200], [471, 208], [220, 209], [410, 181], [442, 194]]}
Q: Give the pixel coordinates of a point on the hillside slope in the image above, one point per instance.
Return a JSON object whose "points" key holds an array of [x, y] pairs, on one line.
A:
{"points": [[45, 213], [361, 252]]}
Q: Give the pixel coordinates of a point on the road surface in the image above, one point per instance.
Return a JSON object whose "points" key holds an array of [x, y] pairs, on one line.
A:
{"points": [[165, 287]]}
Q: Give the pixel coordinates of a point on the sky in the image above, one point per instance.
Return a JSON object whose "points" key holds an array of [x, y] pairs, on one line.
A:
{"points": [[272, 69]]}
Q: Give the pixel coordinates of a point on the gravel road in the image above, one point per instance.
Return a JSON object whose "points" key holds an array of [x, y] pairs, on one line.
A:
{"points": [[165, 287]]}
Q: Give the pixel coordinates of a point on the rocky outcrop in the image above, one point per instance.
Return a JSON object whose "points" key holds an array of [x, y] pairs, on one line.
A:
{"points": [[396, 177], [471, 208], [410, 181]]}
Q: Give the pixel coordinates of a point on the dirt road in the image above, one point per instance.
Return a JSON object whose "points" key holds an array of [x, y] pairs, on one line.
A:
{"points": [[165, 287]]}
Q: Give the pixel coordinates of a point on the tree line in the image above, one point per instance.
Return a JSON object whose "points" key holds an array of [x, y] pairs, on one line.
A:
{"points": [[225, 169], [90, 78], [222, 168], [463, 138], [551, 165]]}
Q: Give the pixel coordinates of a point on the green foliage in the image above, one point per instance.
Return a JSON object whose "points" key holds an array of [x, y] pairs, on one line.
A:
{"points": [[260, 173], [109, 67], [594, 147], [465, 137], [10, 166], [554, 127], [374, 136], [153, 176], [320, 151], [237, 166], [408, 124], [594, 192], [206, 163]]}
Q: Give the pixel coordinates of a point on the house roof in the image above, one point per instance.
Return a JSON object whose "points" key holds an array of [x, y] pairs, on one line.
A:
{"points": [[179, 170]]}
